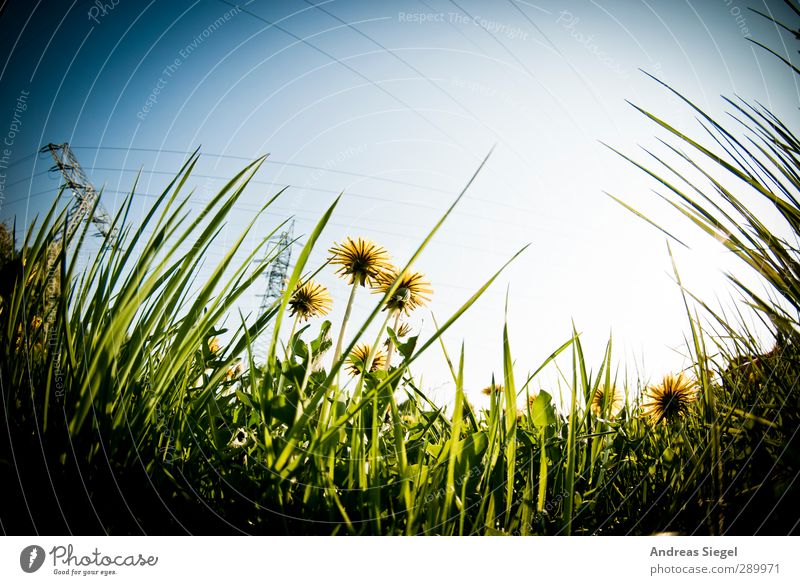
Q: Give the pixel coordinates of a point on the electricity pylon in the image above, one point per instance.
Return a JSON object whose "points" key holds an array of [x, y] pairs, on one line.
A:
{"points": [[275, 277], [84, 193]]}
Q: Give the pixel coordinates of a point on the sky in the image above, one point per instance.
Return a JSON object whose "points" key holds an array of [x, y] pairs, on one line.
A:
{"points": [[395, 104]]}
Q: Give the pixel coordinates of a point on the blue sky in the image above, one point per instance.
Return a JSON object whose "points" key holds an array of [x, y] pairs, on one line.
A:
{"points": [[395, 104]]}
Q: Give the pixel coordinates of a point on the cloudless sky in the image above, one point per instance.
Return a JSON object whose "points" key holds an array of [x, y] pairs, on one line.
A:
{"points": [[395, 104]]}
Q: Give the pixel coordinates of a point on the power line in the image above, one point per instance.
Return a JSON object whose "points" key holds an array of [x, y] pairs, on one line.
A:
{"points": [[346, 66], [334, 59], [30, 196], [272, 162], [312, 218], [17, 182], [415, 205], [20, 160], [399, 58], [308, 217], [315, 168]]}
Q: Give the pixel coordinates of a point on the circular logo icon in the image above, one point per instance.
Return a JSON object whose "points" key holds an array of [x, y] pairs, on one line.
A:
{"points": [[31, 558]]}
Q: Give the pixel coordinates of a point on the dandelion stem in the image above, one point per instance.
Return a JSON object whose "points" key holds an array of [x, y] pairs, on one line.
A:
{"points": [[289, 351], [290, 347], [338, 353], [370, 359], [357, 436], [374, 451], [390, 349]]}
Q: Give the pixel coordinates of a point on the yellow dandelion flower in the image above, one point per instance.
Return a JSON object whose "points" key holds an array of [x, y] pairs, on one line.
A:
{"points": [[670, 399], [213, 345], [310, 299], [361, 261], [233, 372], [496, 388], [614, 401], [359, 356], [401, 332], [412, 290]]}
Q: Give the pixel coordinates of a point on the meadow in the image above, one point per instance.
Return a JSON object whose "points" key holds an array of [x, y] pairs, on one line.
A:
{"points": [[125, 413]]}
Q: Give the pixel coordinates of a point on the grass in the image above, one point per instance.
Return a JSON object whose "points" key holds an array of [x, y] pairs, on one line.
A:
{"points": [[126, 415]]}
